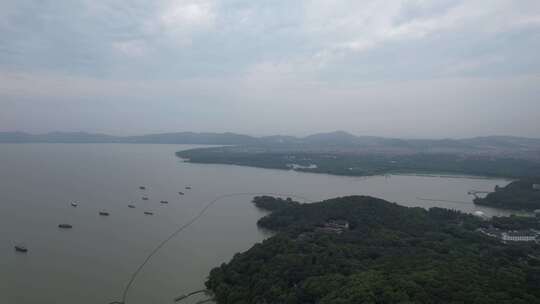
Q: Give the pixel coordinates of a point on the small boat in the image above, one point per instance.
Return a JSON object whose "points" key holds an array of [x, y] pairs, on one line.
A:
{"points": [[74, 204], [142, 187], [104, 213], [21, 248], [145, 198], [181, 193], [164, 202], [131, 206], [149, 213], [188, 187], [65, 226]]}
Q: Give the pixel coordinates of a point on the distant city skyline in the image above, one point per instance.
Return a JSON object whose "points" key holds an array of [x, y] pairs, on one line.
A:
{"points": [[403, 69]]}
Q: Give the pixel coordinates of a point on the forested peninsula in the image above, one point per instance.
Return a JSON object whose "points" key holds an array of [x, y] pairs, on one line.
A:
{"points": [[522, 194], [360, 249], [365, 164]]}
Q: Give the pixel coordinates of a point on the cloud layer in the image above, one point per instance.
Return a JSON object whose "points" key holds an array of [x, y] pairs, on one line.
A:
{"points": [[396, 68]]}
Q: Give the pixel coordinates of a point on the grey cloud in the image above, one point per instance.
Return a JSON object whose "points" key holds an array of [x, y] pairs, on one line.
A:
{"points": [[196, 64], [119, 38]]}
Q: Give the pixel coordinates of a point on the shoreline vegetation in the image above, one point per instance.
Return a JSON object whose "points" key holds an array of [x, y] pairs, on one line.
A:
{"points": [[360, 249], [366, 164], [523, 194]]}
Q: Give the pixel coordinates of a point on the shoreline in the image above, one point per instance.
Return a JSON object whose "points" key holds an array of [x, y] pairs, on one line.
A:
{"points": [[397, 173]]}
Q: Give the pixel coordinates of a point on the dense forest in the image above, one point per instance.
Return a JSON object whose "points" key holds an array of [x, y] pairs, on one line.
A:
{"points": [[518, 195], [365, 164], [515, 222], [270, 203], [388, 254]]}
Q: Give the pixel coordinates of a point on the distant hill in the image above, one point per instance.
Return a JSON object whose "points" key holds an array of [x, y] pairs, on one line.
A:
{"points": [[15, 137], [334, 138], [338, 141], [164, 138], [346, 142], [193, 138], [56, 137]]}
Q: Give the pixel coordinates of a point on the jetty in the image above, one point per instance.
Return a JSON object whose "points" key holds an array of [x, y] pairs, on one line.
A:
{"points": [[476, 192], [185, 296]]}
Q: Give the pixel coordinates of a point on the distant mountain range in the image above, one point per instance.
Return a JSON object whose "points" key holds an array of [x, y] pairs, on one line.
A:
{"points": [[338, 141], [163, 138]]}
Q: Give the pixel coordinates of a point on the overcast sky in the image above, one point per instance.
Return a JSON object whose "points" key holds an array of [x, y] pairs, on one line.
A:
{"points": [[408, 68]]}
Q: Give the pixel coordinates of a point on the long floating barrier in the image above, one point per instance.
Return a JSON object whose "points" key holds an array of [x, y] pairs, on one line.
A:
{"points": [[189, 223], [185, 296]]}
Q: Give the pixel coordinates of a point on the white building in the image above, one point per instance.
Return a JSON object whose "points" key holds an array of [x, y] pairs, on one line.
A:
{"points": [[340, 224], [518, 236], [335, 226], [480, 214]]}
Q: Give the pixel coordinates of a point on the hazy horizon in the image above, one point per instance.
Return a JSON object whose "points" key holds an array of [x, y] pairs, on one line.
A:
{"points": [[268, 135], [401, 69]]}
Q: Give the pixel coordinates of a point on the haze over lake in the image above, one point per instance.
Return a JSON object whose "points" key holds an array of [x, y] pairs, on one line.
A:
{"points": [[92, 262]]}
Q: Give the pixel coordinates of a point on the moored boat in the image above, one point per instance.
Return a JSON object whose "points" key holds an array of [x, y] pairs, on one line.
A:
{"points": [[164, 202], [104, 213], [74, 204], [65, 226], [149, 213], [21, 248], [144, 198], [131, 206]]}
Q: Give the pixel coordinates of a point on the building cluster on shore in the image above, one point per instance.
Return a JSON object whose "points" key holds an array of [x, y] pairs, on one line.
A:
{"points": [[329, 227], [334, 226], [530, 235]]}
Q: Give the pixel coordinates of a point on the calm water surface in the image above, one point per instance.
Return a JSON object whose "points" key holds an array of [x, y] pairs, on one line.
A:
{"points": [[92, 262]]}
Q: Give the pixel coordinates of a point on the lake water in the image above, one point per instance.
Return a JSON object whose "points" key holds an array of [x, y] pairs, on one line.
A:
{"points": [[92, 262]]}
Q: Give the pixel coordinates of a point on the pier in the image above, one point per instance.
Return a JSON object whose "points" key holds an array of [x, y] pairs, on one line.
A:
{"points": [[185, 296], [476, 192]]}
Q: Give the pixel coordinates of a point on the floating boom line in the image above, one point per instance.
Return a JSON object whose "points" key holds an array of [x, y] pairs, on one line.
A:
{"points": [[189, 223]]}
